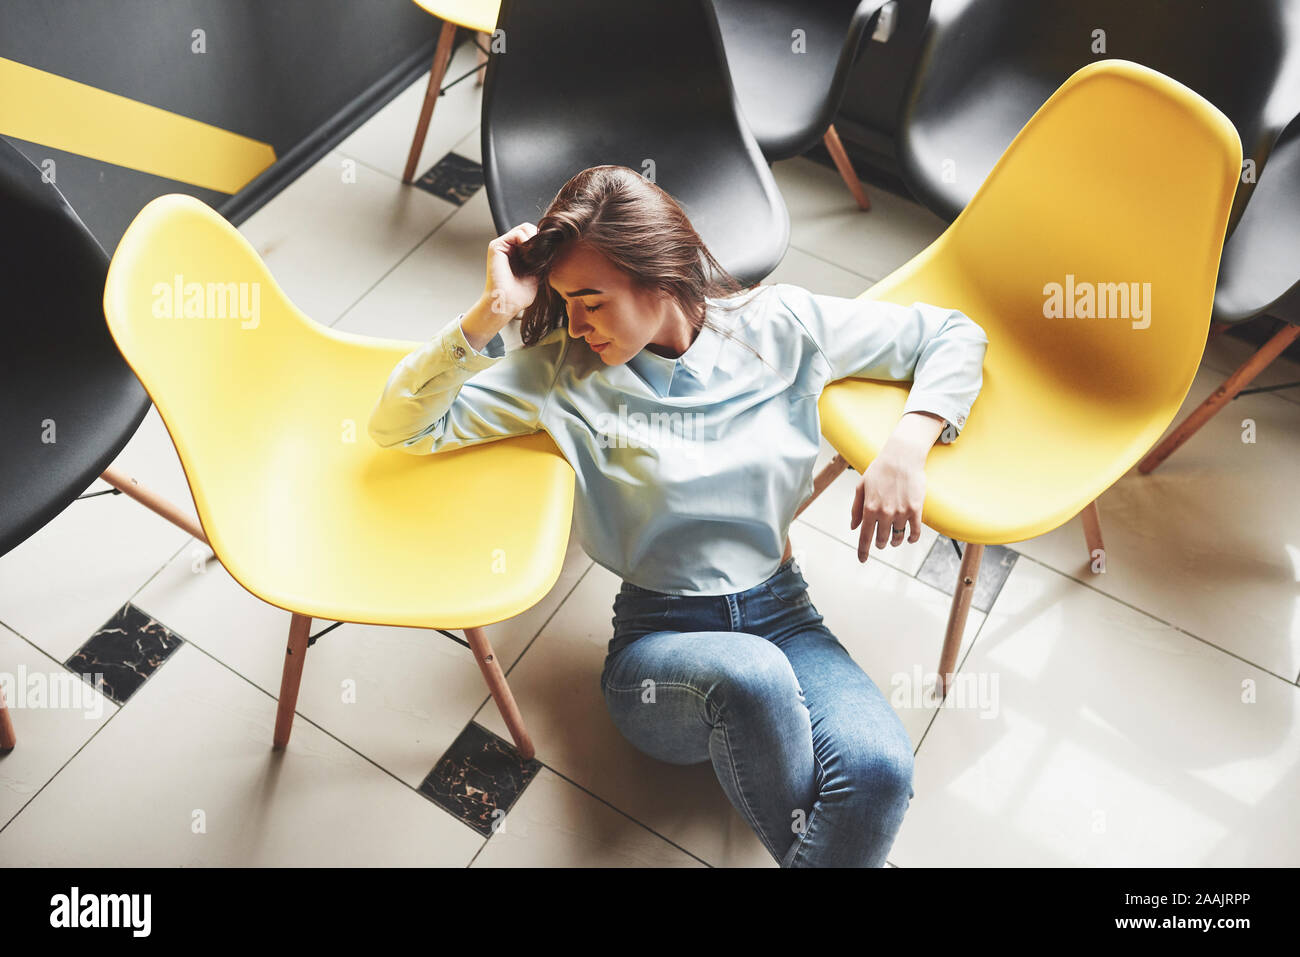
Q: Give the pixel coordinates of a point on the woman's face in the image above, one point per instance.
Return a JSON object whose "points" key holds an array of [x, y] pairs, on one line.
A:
{"points": [[608, 310]]}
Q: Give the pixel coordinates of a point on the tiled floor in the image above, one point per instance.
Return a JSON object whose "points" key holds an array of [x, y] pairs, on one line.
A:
{"points": [[1149, 715]]}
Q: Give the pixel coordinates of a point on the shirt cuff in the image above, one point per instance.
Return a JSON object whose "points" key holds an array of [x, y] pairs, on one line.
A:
{"points": [[953, 415], [461, 354]]}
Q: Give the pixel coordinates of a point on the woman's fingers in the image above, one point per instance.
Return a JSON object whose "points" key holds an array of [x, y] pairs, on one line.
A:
{"points": [[509, 293], [894, 527], [521, 233], [883, 525], [884, 529], [884, 510]]}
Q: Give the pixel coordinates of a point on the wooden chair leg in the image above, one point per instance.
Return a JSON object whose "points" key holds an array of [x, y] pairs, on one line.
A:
{"points": [[1092, 534], [842, 163], [500, 690], [829, 473], [966, 579], [154, 502], [441, 57], [1221, 397], [295, 656], [485, 42], [7, 737]]}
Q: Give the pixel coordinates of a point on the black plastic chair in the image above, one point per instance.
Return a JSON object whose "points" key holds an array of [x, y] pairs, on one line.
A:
{"points": [[69, 403], [790, 98], [584, 83], [986, 65], [1260, 268]]}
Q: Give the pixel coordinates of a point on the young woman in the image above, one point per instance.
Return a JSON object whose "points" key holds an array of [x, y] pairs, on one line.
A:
{"points": [[688, 410]]}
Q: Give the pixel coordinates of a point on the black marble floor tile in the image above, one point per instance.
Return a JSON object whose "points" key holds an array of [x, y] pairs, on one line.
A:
{"points": [[454, 178], [126, 650], [942, 565], [480, 775]]}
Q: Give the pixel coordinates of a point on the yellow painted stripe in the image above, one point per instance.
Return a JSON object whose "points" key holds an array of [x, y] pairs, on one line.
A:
{"points": [[77, 118]]}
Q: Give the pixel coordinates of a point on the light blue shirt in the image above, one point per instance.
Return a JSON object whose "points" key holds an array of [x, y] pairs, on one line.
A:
{"points": [[689, 470]]}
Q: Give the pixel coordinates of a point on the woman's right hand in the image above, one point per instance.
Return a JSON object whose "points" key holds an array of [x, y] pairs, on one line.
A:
{"points": [[506, 293]]}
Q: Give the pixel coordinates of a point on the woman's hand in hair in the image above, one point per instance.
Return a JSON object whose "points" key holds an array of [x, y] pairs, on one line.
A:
{"points": [[506, 293]]}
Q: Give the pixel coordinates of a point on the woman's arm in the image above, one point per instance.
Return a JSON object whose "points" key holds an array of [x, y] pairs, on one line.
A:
{"points": [[447, 394], [941, 350]]}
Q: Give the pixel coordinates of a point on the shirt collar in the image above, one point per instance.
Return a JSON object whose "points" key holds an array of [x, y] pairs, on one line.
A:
{"points": [[698, 360]]}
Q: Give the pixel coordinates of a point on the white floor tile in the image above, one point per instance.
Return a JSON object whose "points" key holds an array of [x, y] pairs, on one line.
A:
{"points": [[398, 695], [802, 268], [54, 712], [384, 140], [337, 230], [150, 458], [1210, 540], [185, 776], [442, 278], [1117, 741], [555, 824], [827, 223], [1225, 354], [59, 586]]}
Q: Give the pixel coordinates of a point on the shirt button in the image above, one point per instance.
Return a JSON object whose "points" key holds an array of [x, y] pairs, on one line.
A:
{"points": [[459, 352]]}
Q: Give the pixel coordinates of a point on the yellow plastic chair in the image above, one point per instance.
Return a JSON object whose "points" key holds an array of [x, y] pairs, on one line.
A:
{"points": [[477, 15], [267, 410], [1122, 176]]}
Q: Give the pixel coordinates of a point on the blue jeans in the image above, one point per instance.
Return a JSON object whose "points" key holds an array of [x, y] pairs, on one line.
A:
{"points": [[804, 744]]}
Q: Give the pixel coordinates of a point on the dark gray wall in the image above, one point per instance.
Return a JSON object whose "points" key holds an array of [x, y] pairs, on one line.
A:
{"points": [[298, 74]]}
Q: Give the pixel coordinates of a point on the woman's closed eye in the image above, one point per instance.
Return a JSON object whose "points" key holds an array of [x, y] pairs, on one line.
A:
{"points": [[595, 307]]}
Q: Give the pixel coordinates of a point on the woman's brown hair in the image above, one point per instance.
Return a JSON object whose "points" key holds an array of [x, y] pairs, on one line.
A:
{"points": [[640, 229]]}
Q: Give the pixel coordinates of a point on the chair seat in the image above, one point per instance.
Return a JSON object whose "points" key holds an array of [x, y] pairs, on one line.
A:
{"points": [[477, 15], [300, 506], [1045, 437], [971, 494]]}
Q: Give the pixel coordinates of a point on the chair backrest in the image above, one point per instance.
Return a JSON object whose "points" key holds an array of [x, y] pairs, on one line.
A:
{"points": [[588, 82], [987, 65], [242, 378], [1115, 193], [790, 86], [68, 403], [1260, 270]]}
